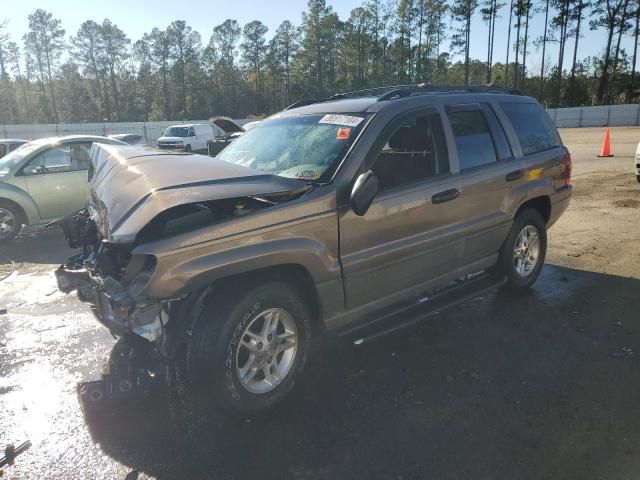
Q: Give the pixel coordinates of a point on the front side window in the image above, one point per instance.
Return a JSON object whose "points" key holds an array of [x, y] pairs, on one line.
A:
{"points": [[298, 146], [415, 150], [473, 138], [63, 158], [532, 125], [53, 158]]}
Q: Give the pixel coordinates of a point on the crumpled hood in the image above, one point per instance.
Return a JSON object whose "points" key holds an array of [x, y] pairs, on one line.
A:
{"points": [[130, 185]]}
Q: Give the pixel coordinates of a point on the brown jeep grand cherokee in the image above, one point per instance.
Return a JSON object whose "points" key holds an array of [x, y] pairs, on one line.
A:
{"points": [[333, 215]]}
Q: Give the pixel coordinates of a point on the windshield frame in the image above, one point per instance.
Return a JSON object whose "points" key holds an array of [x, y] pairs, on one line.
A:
{"points": [[331, 171]]}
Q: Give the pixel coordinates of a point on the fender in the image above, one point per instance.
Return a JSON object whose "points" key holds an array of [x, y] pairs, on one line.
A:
{"points": [[23, 199], [542, 187], [193, 273]]}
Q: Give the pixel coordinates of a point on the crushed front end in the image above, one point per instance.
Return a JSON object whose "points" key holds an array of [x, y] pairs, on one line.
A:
{"points": [[109, 278]]}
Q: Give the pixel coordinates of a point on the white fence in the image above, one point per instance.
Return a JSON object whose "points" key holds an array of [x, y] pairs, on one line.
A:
{"points": [[612, 115], [603, 116], [150, 131]]}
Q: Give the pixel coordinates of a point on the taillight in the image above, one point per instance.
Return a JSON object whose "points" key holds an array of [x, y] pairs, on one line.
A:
{"points": [[566, 170]]}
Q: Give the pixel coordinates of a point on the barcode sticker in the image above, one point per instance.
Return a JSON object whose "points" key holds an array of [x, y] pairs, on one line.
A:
{"points": [[346, 120]]}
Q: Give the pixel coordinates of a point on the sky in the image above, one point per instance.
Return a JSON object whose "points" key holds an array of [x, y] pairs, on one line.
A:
{"points": [[135, 17]]}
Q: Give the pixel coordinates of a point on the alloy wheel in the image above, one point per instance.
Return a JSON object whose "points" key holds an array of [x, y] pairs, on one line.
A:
{"points": [[267, 350], [8, 223], [526, 251]]}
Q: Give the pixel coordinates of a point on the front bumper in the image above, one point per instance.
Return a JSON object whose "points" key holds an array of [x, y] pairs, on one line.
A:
{"points": [[171, 146], [112, 305]]}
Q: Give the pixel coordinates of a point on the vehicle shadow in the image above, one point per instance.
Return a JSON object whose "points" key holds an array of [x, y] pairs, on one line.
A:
{"points": [[540, 385], [37, 245]]}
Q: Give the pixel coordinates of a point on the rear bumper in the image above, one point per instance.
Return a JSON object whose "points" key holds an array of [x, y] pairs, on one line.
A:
{"points": [[559, 203]]}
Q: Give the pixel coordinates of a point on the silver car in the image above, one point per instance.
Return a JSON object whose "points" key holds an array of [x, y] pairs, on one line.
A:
{"points": [[43, 180]]}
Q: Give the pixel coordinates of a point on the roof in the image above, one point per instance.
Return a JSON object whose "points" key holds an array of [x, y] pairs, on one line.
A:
{"points": [[377, 98]]}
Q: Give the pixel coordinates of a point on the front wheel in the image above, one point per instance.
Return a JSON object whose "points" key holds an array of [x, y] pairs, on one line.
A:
{"points": [[523, 252], [187, 148], [10, 222], [248, 349]]}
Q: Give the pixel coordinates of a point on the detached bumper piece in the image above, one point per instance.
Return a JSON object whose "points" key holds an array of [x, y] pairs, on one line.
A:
{"points": [[113, 393]]}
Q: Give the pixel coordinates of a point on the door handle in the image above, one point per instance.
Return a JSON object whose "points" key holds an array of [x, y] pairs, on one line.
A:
{"points": [[515, 175], [445, 196]]}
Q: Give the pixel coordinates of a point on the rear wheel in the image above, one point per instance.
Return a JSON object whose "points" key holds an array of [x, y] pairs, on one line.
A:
{"points": [[10, 221], [248, 349], [638, 178], [523, 252]]}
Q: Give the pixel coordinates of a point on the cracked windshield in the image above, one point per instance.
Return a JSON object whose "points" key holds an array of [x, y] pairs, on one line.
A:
{"points": [[302, 146]]}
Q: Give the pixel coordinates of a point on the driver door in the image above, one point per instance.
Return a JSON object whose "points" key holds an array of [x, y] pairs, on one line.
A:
{"points": [[411, 233], [57, 179]]}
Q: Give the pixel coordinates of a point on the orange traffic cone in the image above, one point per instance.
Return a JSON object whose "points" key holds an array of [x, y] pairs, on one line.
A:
{"points": [[605, 150]]}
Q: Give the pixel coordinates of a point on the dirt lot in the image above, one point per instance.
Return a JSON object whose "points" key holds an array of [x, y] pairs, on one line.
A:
{"points": [[540, 386]]}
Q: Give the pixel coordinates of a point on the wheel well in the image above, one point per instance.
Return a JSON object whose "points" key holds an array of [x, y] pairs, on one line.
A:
{"points": [[295, 275], [541, 204], [21, 212]]}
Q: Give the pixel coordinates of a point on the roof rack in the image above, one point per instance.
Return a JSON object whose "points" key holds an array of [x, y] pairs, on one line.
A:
{"points": [[393, 92], [408, 90]]}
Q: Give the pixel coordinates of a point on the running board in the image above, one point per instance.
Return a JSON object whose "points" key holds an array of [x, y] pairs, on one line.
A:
{"points": [[460, 291]]}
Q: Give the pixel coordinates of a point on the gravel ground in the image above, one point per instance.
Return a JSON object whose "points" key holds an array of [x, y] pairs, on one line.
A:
{"points": [[544, 385]]}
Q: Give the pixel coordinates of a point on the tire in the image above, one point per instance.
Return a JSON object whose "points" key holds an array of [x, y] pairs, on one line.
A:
{"points": [[10, 221], [521, 274], [638, 178], [231, 329], [187, 148]]}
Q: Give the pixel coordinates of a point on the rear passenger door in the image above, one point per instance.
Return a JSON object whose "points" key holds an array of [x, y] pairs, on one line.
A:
{"points": [[488, 171], [410, 234]]}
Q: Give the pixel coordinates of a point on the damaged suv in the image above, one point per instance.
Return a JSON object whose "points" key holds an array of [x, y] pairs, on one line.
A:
{"points": [[333, 215]]}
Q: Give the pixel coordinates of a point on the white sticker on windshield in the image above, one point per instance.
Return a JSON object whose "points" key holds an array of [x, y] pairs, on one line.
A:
{"points": [[346, 120]]}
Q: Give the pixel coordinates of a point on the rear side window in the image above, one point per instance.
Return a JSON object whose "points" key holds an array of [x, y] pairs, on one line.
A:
{"points": [[532, 126], [473, 138]]}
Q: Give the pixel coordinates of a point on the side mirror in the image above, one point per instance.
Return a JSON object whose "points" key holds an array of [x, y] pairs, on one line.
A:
{"points": [[31, 170], [364, 191]]}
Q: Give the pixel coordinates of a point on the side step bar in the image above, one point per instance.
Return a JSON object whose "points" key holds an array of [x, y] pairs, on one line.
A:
{"points": [[458, 292]]}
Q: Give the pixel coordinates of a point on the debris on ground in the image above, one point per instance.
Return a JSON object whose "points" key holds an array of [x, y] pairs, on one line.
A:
{"points": [[11, 452]]}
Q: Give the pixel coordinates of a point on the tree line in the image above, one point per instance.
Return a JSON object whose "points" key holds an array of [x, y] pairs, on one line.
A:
{"points": [[172, 73]]}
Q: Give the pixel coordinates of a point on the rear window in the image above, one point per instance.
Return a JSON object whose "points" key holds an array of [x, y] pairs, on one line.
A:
{"points": [[532, 126]]}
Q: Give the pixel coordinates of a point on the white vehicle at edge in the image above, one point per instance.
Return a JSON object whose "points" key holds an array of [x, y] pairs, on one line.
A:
{"points": [[637, 163], [188, 137]]}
